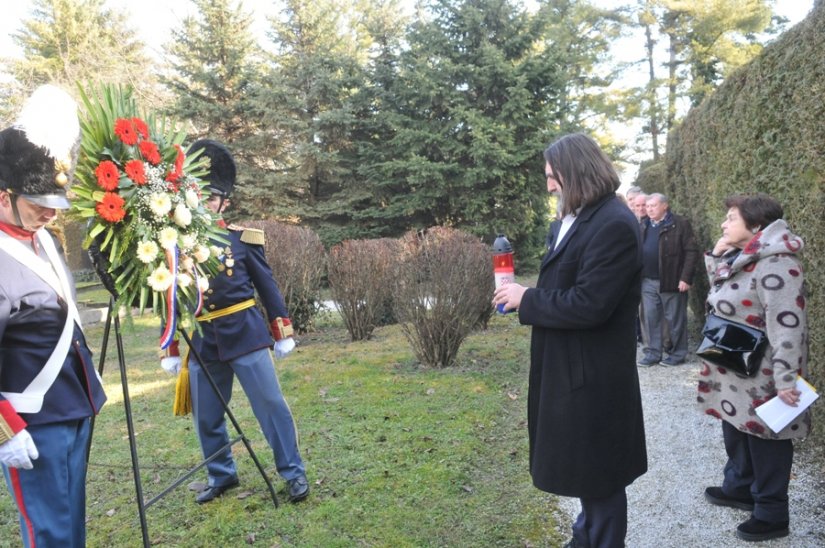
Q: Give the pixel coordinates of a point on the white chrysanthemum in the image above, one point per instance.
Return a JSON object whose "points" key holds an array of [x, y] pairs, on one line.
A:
{"points": [[147, 251], [201, 253], [184, 279], [160, 279], [203, 283], [192, 199], [186, 264], [188, 241], [160, 204], [182, 216], [216, 251], [168, 238]]}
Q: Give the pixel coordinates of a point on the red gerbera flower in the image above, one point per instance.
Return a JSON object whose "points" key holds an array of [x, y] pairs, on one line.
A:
{"points": [[149, 151], [179, 160], [141, 127], [125, 129], [110, 208], [134, 169], [107, 175], [175, 175]]}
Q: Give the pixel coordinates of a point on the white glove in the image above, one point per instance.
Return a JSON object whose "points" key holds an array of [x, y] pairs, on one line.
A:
{"points": [[19, 452], [283, 347], [171, 364]]}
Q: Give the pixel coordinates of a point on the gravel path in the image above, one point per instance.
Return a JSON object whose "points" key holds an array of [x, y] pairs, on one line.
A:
{"points": [[666, 506]]}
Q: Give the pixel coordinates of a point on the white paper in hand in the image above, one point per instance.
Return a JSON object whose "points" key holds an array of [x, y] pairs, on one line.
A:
{"points": [[777, 414]]}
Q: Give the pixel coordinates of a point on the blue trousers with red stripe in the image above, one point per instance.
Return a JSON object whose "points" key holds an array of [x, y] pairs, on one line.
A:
{"points": [[51, 497]]}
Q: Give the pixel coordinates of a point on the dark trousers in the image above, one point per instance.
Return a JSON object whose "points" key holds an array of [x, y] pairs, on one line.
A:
{"points": [[759, 468], [602, 522]]}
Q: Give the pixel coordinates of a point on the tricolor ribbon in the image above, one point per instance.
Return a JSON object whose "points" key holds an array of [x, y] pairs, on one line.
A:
{"points": [[168, 334]]}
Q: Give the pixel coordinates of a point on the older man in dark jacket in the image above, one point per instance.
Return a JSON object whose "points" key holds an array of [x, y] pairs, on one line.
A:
{"points": [[670, 254]]}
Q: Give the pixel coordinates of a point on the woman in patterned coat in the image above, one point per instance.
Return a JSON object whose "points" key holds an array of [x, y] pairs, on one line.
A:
{"points": [[756, 278]]}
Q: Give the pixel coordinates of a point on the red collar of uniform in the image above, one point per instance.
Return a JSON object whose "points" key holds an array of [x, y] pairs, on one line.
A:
{"points": [[221, 223], [16, 232]]}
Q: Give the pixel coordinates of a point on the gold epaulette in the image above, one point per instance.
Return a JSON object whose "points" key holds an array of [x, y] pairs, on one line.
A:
{"points": [[253, 236], [6, 433]]}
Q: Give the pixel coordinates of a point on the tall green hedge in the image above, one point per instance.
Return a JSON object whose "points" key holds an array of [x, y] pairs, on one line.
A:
{"points": [[763, 130]]}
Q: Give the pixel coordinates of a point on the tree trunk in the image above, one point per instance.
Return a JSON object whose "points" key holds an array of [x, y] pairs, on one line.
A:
{"points": [[654, 107]]}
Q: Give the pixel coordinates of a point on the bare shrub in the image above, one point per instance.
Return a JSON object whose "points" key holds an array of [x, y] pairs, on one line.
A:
{"points": [[444, 280], [360, 280], [298, 261]]}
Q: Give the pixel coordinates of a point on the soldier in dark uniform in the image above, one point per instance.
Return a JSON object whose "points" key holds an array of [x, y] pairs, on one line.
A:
{"points": [[235, 340], [49, 387]]}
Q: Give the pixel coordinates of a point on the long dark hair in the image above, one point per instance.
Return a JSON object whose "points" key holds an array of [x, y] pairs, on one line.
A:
{"points": [[584, 172]]}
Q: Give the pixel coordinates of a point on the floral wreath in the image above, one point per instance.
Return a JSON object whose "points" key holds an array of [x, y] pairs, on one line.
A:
{"points": [[151, 237]]}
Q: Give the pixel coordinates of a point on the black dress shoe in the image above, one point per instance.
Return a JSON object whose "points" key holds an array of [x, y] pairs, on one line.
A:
{"points": [[715, 495], [298, 488], [211, 493], [755, 530]]}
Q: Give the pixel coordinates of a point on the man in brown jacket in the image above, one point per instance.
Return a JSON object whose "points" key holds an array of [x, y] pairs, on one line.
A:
{"points": [[669, 258]]}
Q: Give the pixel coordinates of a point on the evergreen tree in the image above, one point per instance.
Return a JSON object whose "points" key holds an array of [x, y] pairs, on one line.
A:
{"points": [[217, 64], [214, 60], [582, 35], [473, 98], [304, 103], [71, 42], [375, 108]]}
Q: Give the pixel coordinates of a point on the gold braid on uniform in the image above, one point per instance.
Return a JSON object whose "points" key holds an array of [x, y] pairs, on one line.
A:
{"points": [[183, 396], [252, 236]]}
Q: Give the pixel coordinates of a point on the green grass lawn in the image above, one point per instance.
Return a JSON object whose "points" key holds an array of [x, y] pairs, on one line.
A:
{"points": [[397, 454]]}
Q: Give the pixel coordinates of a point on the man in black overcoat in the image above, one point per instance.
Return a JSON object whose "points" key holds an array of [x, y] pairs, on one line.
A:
{"points": [[584, 407]]}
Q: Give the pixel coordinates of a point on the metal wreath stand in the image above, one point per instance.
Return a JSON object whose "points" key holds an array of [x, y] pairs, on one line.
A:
{"points": [[193, 354]]}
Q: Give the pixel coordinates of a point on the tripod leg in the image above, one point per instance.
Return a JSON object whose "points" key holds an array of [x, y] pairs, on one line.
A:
{"points": [[131, 429], [102, 361], [193, 354]]}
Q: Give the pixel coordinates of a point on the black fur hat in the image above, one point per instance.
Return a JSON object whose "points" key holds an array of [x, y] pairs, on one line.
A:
{"points": [[221, 176], [38, 153]]}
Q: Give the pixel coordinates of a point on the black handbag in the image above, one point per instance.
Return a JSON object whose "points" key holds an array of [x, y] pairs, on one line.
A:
{"points": [[734, 346]]}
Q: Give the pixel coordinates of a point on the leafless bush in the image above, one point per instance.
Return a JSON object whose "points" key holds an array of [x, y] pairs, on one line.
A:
{"points": [[361, 284], [298, 262], [444, 280]]}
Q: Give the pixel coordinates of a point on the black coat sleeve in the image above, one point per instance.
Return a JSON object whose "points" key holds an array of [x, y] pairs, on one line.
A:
{"points": [[582, 287]]}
